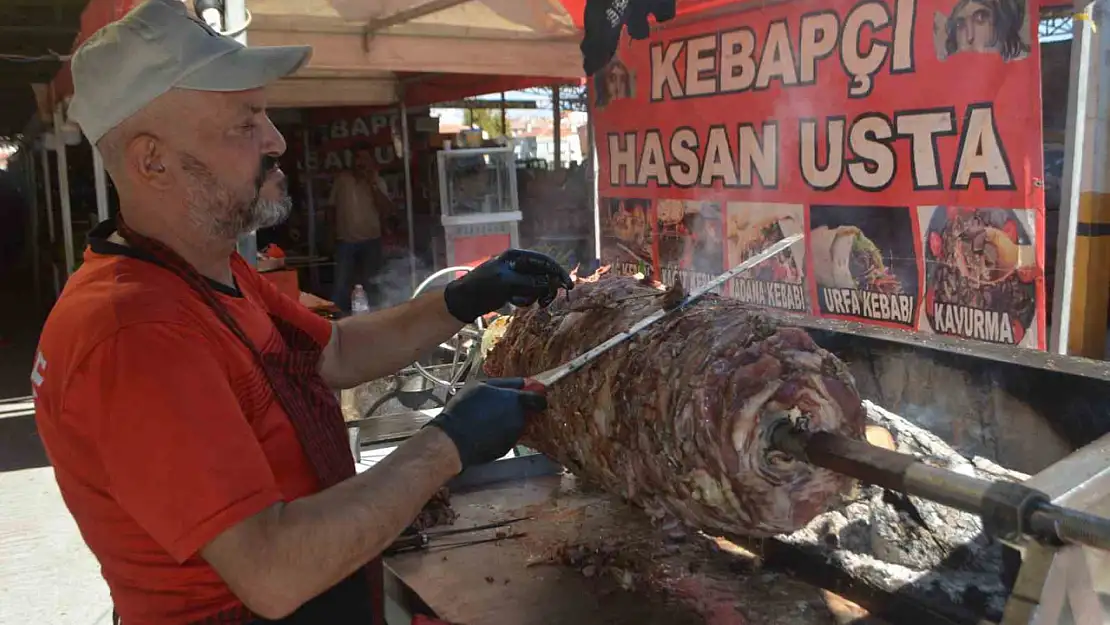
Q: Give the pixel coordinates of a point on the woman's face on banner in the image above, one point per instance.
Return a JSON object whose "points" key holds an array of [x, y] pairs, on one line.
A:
{"points": [[616, 87], [974, 27]]}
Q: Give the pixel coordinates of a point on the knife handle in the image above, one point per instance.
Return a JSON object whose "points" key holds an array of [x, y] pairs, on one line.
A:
{"points": [[532, 385]]}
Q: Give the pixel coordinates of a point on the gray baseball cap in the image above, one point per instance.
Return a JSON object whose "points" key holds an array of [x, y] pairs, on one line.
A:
{"points": [[156, 47]]}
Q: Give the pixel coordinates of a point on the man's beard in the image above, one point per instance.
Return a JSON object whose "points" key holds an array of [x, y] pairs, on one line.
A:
{"points": [[221, 213]]}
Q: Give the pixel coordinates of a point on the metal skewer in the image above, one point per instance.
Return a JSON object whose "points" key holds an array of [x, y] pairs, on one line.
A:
{"points": [[1009, 510], [538, 383]]}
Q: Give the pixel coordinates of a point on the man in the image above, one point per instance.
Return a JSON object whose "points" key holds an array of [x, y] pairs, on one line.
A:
{"points": [[187, 406], [359, 198]]}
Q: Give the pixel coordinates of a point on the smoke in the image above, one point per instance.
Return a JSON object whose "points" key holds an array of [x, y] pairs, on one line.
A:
{"points": [[561, 220], [392, 284]]}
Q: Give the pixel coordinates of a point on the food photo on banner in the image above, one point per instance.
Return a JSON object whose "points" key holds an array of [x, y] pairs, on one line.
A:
{"points": [[981, 274], [690, 241], [836, 118], [626, 235], [778, 282], [865, 264]]}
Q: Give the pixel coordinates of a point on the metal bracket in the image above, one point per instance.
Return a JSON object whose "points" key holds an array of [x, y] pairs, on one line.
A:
{"points": [[1069, 595], [1063, 585]]}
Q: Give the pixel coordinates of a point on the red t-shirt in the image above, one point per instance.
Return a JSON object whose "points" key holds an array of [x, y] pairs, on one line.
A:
{"points": [[162, 431]]}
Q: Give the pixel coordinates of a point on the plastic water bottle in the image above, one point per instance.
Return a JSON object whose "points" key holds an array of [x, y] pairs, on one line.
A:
{"points": [[360, 304]]}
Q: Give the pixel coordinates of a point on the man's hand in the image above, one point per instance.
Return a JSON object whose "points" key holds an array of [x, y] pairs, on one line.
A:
{"points": [[519, 277], [486, 419]]}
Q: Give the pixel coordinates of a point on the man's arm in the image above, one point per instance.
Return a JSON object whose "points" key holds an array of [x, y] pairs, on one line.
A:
{"points": [[290, 553], [184, 463], [367, 347], [279, 559]]}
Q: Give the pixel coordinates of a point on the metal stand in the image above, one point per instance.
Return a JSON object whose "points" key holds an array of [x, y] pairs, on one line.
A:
{"points": [[47, 189], [1074, 152], [406, 159], [468, 341], [1070, 584]]}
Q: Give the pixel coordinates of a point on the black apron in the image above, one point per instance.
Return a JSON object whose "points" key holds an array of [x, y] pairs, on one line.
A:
{"points": [[357, 600], [293, 376], [352, 601]]}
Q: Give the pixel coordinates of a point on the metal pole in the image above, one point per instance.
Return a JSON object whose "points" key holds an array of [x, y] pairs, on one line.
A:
{"points": [[504, 117], [101, 181], [47, 189], [314, 272], [63, 189], [235, 18], [557, 128], [595, 202], [406, 152], [47, 186], [1071, 183], [33, 198]]}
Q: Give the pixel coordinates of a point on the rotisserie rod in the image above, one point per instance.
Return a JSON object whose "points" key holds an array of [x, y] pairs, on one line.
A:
{"points": [[1008, 510], [724, 418]]}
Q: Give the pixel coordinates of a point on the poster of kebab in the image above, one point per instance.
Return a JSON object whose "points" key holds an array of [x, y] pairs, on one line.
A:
{"points": [[902, 137]]}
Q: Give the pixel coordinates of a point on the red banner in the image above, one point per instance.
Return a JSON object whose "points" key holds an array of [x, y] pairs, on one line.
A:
{"points": [[902, 137]]}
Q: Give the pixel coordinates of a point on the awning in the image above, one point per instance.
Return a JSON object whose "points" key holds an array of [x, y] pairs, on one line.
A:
{"points": [[374, 52]]}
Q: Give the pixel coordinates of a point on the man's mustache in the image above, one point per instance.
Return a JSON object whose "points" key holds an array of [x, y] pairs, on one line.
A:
{"points": [[266, 165]]}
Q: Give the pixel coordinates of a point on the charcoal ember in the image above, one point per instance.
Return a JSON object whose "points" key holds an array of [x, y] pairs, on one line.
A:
{"points": [[910, 545], [677, 420], [436, 512]]}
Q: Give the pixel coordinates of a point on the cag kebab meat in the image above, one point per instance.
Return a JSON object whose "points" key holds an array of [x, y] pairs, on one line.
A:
{"points": [[677, 420]]}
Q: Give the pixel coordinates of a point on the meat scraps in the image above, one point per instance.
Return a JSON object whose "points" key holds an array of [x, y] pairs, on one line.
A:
{"points": [[436, 512], [676, 420]]}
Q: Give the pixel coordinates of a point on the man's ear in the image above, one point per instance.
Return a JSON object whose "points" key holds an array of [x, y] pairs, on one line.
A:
{"points": [[145, 160]]}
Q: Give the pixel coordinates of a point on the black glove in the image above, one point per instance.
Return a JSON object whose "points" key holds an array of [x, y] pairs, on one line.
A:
{"points": [[486, 419], [519, 277]]}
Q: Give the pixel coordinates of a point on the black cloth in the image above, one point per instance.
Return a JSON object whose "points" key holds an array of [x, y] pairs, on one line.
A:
{"points": [[347, 603], [605, 19]]}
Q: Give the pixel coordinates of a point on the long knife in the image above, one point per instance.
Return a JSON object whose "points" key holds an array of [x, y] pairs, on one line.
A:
{"points": [[540, 382]]}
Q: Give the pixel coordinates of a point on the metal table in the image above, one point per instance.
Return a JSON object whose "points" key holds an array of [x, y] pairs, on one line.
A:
{"points": [[518, 581]]}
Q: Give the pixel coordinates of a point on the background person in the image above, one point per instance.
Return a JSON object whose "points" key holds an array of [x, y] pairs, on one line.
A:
{"points": [[361, 202]]}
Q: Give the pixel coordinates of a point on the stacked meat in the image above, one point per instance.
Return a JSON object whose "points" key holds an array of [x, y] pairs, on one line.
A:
{"points": [[677, 420]]}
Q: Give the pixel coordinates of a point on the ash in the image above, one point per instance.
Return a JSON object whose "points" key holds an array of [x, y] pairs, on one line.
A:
{"points": [[909, 545]]}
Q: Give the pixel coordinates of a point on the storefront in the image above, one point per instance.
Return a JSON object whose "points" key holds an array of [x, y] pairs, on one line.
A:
{"points": [[375, 70]]}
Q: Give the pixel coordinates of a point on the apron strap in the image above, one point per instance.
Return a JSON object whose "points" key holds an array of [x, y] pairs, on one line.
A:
{"points": [[313, 411]]}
